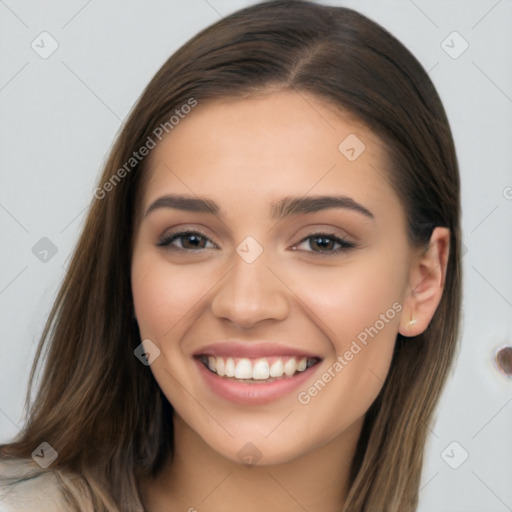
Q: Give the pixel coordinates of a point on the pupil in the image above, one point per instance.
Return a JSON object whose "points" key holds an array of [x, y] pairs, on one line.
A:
{"points": [[193, 240], [324, 242]]}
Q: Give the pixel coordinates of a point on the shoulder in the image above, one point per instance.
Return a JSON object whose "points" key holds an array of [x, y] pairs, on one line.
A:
{"points": [[24, 487]]}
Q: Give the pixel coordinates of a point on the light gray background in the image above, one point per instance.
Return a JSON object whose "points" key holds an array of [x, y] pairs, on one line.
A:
{"points": [[59, 116]]}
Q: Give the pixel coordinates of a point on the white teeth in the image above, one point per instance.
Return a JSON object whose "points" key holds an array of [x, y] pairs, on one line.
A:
{"points": [[260, 369], [243, 369], [229, 368], [276, 370], [301, 365], [219, 363], [290, 367]]}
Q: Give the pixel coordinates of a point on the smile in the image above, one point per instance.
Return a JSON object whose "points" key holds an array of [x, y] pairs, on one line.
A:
{"points": [[261, 369], [255, 373]]}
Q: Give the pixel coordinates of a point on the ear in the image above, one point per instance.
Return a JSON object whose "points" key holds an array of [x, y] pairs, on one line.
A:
{"points": [[426, 283]]}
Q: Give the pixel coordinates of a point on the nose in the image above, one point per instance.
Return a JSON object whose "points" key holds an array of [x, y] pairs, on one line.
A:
{"points": [[249, 294]]}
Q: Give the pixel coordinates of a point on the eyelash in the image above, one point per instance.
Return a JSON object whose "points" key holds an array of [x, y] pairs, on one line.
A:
{"points": [[345, 245]]}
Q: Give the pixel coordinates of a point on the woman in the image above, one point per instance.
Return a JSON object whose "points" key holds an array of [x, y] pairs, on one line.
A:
{"points": [[263, 306]]}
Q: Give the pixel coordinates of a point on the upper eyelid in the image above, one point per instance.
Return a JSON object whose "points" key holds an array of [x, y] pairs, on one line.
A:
{"points": [[327, 230], [181, 233], [183, 230]]}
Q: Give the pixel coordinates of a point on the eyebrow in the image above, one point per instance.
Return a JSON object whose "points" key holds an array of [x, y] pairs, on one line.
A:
{"points": [[296, 205], [284, 208]]}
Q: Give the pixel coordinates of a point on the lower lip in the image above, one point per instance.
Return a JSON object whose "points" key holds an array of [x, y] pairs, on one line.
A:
{"points": [[255, 393]]}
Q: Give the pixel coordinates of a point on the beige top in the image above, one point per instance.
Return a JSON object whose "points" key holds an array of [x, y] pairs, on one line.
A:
{"points": [[24, 487]]}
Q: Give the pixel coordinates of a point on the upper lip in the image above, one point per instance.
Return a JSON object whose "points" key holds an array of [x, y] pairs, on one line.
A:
{"points": [[252, 350]]}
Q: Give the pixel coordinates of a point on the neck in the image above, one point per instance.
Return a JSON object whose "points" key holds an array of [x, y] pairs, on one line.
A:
{"points": [[199, 478]]}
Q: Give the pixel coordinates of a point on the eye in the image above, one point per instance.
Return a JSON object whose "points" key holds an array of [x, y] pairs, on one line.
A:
{"points": [[324, 244], [186, 241]]}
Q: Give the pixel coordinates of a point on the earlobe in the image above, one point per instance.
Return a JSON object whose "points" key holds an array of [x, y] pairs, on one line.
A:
{"points": [[426, 284]]}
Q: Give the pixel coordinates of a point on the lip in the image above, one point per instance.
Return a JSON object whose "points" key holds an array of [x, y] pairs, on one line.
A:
{"points": [[252, 393], [252, 350]]}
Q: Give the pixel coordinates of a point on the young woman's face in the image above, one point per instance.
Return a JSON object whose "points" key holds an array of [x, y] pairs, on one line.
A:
{"points": [[277, 257]]}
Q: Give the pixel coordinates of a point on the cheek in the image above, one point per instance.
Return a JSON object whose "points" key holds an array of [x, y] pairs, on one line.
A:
{"points": [[358, 308], [353, 297], [164, 294]]}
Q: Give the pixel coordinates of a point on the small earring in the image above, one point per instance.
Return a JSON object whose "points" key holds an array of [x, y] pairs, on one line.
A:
{"points": [[412, 322]]}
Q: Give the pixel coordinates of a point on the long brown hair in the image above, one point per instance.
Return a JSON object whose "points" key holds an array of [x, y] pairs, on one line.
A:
{"points": [[97, 405]]}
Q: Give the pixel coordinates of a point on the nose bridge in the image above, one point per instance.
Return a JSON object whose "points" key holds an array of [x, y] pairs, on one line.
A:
{"points": [[250, 292]]}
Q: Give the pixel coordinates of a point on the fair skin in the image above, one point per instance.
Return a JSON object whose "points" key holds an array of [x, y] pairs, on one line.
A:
{"points": [[245, 155]]}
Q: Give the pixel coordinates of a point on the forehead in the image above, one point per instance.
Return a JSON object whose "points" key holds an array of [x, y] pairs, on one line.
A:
{"points": [[269, 146]]}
